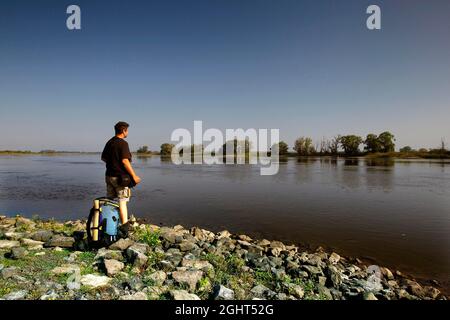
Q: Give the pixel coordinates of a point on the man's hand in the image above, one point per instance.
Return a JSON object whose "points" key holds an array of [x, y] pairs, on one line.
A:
{"points": [[130, 170], [136, 179]]}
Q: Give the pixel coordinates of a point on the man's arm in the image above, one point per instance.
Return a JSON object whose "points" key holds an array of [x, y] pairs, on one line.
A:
{"points": [[129, 168]]}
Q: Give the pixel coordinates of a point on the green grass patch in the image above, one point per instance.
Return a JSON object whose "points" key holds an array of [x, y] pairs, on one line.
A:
{"points": [[148, 236]]}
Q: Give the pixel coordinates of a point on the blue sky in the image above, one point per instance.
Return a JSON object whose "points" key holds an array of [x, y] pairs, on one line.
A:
{"points": [[306, 67]]}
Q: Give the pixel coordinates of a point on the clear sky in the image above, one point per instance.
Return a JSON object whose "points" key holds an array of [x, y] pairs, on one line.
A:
{"points": [[306, 67]]}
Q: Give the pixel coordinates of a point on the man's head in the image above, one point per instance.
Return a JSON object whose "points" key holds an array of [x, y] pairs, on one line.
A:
{"points": [[121, 128]]}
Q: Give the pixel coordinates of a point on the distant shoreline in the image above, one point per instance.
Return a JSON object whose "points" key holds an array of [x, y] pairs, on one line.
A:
{"points": [[389, 155]]}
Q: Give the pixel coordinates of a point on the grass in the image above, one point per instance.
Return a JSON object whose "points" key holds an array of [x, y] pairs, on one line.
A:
{"points": [[148, 236]]}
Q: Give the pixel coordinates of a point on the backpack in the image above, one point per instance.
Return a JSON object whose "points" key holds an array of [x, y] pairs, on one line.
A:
{"points": [[103, 223]]}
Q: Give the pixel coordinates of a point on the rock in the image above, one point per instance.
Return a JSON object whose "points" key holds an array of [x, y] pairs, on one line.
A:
{"points": [[296, 290], [244, 237], [112, 267], [94, 281], [322, 280], [199, 234], [275, 251], [223, 234], [9, 244], [312, 270], [18, 253], [157, 277], [32, 244], [9, 272], [60, 241], [104, 253], [263, 243], [223, 293], [183, 295], [197, 264], [387, 273], [324, 292], [42, 235], [73, 285], [122, 244], [187, 245], [414, 288], [135, 283], [17, 295], [136, 296], [369, 296], [136, 257], [138, 247], [166, 265], [262, 292], [431, 292], [14, 235], [277, 244], [403, 294], [333, 276], [171, 235], [66, 268], [24, 222], [191, 277], [334, 258]]}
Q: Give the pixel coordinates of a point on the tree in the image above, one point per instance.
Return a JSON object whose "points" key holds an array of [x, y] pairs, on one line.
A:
{"points": [[304, 146], [237, 145], [372, 143], [281, 147], [166, 149], [350, 144], [386, 140], [334, 144], [143, 149], [406, 149]]}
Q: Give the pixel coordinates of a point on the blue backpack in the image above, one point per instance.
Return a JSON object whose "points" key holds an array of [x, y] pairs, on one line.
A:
{"points": [[103, 223]]}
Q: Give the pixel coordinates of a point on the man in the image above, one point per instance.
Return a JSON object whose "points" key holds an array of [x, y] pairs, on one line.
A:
{"points": [[117, 157]]}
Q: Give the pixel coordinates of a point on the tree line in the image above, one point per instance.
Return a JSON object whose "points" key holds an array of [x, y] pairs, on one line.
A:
{"points": [[349, 145]]}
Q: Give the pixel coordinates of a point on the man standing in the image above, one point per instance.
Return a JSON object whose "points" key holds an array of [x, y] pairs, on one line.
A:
{"points": [[119, 172]]}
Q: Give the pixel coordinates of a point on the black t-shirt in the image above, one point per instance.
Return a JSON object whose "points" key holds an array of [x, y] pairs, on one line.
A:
{"points": [[116, 149]]}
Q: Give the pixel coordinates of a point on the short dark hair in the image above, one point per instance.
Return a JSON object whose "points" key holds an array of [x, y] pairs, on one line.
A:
{"points": [[120, 127]]}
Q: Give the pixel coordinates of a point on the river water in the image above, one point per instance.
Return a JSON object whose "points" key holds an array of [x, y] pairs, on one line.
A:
{"points": [[395, 213]]}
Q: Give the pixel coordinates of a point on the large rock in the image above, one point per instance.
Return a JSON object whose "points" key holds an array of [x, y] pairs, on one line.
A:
{"points": [[9, 244], [94, 281], [190, 277], [32, 244], [187, 245], [136, 255], [183, 295], [223, 293], [60, 241], [17, 253], [42, 235], [17, 295], [9, 272], [158, 277], [122, 244], [104, 253], [334, 258], [66, 269], [170, 235], [262, 292], [113, 267], [197, 264]]}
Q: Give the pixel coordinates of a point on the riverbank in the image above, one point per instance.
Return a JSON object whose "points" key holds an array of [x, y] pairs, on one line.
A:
{"points": [[50, 260]]}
